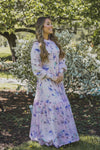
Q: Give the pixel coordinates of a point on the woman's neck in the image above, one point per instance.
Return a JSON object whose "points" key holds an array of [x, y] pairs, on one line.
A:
{"points": [[46, 37]]}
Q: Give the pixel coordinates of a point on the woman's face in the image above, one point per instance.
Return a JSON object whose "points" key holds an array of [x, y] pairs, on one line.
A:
{"points": [[48, 27]]}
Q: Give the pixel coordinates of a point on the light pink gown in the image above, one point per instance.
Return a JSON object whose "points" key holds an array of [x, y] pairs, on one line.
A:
{"points": [[52, 121]]}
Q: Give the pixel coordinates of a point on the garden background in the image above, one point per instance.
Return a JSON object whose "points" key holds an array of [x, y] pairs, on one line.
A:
{"points": [[77, 25]]}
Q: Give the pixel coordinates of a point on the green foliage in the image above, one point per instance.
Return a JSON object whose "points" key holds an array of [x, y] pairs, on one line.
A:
{"points": [[3, 41], [82, 65], [24, 13], [22, 67], [21, 15], [96, 37], [81, 75]]}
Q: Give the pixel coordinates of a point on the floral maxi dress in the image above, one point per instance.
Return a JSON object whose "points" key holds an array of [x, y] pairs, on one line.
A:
{"points": [[52, 121]]}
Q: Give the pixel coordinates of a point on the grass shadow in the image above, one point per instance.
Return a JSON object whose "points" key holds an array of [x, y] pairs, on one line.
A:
{"points": [[15, 121]]}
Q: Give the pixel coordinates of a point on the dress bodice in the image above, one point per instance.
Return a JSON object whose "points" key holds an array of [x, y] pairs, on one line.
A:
{"points": [[50, 68]]}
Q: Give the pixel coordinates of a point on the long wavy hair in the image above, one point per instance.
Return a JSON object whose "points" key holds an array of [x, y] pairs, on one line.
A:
{"points": [[39, 36]]}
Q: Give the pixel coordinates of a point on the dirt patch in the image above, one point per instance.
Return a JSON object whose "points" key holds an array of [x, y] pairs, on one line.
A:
{"points": [[15, 120]]}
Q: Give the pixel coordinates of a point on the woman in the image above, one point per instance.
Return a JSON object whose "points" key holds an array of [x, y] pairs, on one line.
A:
{"points": [[52, 120]]}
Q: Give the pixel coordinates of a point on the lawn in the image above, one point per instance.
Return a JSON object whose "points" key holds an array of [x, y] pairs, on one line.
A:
{"points": [[5, 53], [15, 122], [8, 85], [6, 74], [85, 143]]}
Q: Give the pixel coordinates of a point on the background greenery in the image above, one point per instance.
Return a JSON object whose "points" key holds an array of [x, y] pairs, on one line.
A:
{"points": [[81, 18], [74, 15]]}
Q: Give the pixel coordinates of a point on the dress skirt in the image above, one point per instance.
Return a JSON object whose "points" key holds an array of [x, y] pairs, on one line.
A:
{"points": [[52, 120]]}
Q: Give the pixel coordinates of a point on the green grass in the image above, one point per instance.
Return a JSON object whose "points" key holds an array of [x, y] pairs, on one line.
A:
{"points": [[9, 86], [6, 75], [85, 143], [5, 53]]}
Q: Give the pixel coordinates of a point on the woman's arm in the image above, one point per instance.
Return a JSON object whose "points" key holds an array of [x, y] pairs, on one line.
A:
{"points": [[62, 66], [36, 64]]}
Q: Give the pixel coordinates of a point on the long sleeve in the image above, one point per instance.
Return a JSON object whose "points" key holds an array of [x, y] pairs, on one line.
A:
{"points": [[62, 66], [36, 64]]}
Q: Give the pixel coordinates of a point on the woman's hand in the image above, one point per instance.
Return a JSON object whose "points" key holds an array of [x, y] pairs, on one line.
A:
{"points": [[58, 78]]}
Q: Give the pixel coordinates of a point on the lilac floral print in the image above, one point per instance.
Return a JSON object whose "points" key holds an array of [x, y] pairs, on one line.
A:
{"points": [[52, 121]]}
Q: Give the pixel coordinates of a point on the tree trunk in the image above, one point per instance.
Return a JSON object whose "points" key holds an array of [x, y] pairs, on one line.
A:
{"points": [[12, 43]]}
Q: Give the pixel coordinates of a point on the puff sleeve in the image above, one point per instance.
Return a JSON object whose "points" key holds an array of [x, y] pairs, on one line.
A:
{"points": [[62, 66], [36, 64]]}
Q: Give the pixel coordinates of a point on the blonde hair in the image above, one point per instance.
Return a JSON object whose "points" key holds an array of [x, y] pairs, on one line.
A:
{"points": [[39, 36]]}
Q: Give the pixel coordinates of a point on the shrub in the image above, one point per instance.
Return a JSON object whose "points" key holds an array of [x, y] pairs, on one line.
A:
{"points": [[83, 67]]}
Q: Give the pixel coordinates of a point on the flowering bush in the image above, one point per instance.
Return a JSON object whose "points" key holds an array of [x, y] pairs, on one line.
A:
{"points": [[22, 67], [83, 67], [83, 71]]}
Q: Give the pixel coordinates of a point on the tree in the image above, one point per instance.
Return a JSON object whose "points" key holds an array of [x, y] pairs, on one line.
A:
{"points": [[21, 15], [10, 12]]}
